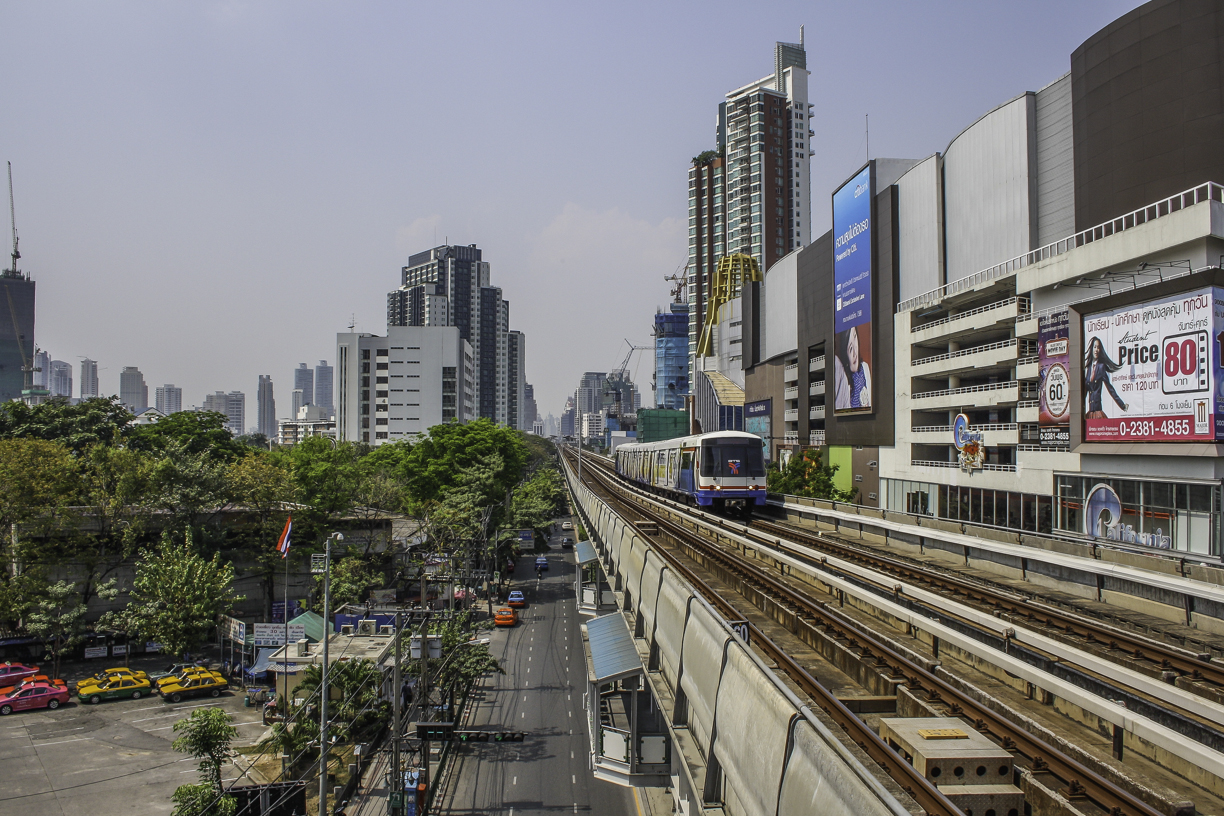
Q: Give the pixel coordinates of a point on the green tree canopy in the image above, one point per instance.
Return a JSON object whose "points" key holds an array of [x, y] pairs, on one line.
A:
{"points": [[94, 421], [195, 432], [205, 735], [806, 475], [434, 463]]}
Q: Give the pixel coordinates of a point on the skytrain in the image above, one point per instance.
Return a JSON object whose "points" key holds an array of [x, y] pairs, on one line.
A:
{"points": [[722, 470]]}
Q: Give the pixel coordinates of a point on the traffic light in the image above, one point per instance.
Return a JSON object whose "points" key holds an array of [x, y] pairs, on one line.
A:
{"points": [[509, 736], [440, 731], [472, 736]]}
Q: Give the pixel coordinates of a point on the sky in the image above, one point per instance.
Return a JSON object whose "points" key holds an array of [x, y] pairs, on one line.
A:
{"points": [[210, 191]]}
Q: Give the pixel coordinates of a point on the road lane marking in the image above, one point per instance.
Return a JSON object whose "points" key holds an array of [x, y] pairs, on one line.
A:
{"points": [[515, 782], [570, 713], [61, 742], [573, 779]]}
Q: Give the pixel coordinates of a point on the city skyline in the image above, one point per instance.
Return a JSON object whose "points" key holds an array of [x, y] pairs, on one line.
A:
{"points": [[291, 230]]}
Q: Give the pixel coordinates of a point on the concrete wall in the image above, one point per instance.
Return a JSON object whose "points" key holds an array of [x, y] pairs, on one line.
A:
{"points": [[779, 315], [1055, 162], [920, 228], [775, 756]]}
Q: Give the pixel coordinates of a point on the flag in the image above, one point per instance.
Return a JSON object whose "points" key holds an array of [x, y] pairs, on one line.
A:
{"points": [[282, 543]]}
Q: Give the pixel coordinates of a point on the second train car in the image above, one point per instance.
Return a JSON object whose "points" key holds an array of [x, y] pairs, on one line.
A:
{"points": [[722, 471]]}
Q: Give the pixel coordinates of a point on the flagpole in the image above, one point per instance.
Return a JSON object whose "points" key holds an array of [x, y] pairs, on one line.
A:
{"points": [[284, 707]]}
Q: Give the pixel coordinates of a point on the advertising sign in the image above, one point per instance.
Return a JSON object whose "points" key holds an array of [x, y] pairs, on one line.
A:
{"points": [[1150, 370], [95, 651], [273, 634], [1104, 517], [232, 628], [1054, 393], [278, 610], [969, 444], [852, 294], [757, 420]]}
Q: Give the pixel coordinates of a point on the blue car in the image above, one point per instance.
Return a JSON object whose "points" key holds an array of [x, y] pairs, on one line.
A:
{"points": [[541, 563], [516, 600]]}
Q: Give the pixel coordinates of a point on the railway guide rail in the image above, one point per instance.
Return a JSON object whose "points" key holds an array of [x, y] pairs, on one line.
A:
{"points": [[1080, 781]]}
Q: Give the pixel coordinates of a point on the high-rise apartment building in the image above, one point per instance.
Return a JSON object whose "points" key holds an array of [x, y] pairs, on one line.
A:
{"points": [[168, 399], [751, 194], [16, 331], [449, 286], [266, 407], [41, 376], [568, 419], [398, 387], [303, 379], [133, 392], [233, 405], [297, 399], [323, 380], [60, 381], [89, 378], [671, 332], [531, 411], [590, 392], [516, 383]]}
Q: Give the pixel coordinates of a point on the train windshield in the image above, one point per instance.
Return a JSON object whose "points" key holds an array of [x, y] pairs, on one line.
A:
{"points": [[732, 459]]}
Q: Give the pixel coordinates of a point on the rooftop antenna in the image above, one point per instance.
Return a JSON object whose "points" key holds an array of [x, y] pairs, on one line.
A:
{"points": [[352, 321], [13, 219], [801, 37], [867, 126]]}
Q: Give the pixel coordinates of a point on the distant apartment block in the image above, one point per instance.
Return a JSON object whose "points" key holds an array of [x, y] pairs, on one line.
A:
{"points": [[89, 378], [323, 383], [233, 405], [133, 392], [266, 407], [168, 399]]}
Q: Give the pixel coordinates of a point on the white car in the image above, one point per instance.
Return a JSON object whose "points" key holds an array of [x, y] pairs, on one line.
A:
{"points": [[566, 525]]}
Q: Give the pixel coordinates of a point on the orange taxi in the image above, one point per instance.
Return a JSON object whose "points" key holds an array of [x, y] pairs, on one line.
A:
{"points": [[505, 616]]}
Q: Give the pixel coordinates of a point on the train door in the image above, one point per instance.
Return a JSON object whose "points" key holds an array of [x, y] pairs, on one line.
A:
{"points": [[688, 458]]}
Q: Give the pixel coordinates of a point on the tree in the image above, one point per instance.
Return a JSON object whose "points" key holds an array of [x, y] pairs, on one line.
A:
{"points": [[462, 662], [805, 475], [37, 480], [94, 421], [195, 432], [18, 594], [58, 617], [205, 735], [187, 485], [263, 487], [351, 576], [176, 597], [435, 462]]}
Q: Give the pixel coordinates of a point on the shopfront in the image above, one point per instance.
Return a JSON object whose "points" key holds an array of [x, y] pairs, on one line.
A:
{"points": [[1182, 516]]}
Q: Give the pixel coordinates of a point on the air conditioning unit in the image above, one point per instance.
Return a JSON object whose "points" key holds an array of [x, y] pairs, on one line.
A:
{"points": [[303, 648], [347, 629], [386, 629], [365, 627]]}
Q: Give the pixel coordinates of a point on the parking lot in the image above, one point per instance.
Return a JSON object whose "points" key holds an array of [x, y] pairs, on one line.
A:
{"points": [[115, 757]]}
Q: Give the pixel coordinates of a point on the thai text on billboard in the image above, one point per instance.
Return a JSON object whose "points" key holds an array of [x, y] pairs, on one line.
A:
{"points": [[1150, 370], [1054, 366], [852, 294], [757, 421]]}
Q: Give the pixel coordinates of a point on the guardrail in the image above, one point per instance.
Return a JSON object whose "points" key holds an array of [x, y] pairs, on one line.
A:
{"points": [[1204, 192], [1023, 306], [816, 363], [994, 426], [968, 389], [984, 466], [965, 352]]}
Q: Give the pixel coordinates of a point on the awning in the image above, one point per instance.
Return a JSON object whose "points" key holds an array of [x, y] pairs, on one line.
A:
{"points": [[286, 668], [612, 655], [586, 553], [262, 661]]}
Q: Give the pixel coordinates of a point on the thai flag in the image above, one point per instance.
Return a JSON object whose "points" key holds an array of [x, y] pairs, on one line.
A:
{"points": [[282, 543]]}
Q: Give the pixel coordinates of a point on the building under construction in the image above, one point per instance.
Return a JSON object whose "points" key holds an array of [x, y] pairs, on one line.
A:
{"points": [[16, 320]]}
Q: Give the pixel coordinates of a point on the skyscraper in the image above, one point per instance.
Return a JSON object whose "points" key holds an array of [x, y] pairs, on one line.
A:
{"points": [[449, 286], [323, 384], [89, 378], [41, 377], [233, 405], [296, 400], [168, 399], [60, 381], [133, 392], [303, 378], [16, 328], [531, 412], [516, 382], [751, 194], [266, 421], [671, 384]]}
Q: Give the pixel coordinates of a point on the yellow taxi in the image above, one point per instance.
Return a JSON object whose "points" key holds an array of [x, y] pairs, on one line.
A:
{"points": [[95, 691], [211, 683], [505, 616], [181, 675]]}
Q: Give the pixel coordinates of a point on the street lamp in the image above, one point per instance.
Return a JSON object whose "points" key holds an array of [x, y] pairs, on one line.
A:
{"points": [[326, 691]]}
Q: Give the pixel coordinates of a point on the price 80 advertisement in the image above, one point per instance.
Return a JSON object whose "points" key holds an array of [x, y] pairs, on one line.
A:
{"points": [[1151, 371]]}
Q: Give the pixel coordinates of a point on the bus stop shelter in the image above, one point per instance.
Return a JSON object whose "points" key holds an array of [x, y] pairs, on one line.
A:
{"points": [[590, 588], [629, 744]]}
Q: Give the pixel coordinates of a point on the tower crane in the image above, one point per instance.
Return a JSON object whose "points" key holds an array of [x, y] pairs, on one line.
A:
{"points": [[29, 393], [679, 292]]}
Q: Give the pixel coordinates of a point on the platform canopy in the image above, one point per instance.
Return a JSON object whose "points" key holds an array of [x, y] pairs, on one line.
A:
{"points": [[586, 553], [613, 655]]}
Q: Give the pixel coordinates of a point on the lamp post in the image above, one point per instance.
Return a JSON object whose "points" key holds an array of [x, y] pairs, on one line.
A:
{"points": [[325, 691]]}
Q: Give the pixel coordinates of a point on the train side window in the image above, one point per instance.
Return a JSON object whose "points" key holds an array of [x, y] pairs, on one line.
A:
{"points": [[686, 461]]}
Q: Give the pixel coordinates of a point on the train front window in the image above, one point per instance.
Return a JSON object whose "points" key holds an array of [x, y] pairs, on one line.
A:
{"points": [[721, 460]]}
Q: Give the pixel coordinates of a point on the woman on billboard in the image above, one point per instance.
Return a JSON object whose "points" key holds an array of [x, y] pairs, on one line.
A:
{"points": [[852, 374], [1097, 368]]}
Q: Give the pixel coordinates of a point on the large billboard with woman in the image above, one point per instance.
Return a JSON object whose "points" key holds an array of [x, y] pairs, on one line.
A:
{"points": [[1151, 371], [852, 294]]}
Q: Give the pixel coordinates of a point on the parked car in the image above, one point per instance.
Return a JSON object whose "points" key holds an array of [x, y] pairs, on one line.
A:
{"points": [[12, 673], [541, 563], [212, 684], [38, 695], [516, 599], [10, 687], [174, 668], [185, 673], [506, 616], [95, 691], [122, 671]]}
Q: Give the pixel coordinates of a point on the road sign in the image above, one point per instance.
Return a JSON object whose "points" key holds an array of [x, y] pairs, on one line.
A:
{"points": [[740, 628], [233, 628], [273, 634], [526, 535], [435, 730]]}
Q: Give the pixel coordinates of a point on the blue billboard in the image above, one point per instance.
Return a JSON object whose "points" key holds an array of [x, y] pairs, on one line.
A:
{"points": [[852, 294]]}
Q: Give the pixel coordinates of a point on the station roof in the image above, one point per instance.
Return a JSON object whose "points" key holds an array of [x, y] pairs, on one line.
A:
{"points": [[612, 653], [585, 552]]}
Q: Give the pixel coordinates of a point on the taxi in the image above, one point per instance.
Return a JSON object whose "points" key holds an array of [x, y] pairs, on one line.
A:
{"points": [[111, 674], [95, 691], [185, 673], [9, 687], [506, 616], [11, 673], [35, 695], [211, 684], [516, 599]]}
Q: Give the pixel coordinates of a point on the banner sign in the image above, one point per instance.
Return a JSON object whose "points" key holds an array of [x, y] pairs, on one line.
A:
{"points": [[1054, 392], [852, 294], [1150, 370], [278, 610], [969, 444], [273, 634], [757, 421], [1104, 517], [232, 628], [96, 651]]}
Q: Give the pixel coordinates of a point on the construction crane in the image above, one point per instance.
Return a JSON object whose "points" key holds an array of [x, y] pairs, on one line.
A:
{"points": [[621, 373], [29, 393], [679, 292], [12, 270]]}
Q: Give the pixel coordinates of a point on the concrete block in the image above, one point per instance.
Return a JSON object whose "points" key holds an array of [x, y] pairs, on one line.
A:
{"points": [[672, 610], [1206, 573], [1152, 563]]}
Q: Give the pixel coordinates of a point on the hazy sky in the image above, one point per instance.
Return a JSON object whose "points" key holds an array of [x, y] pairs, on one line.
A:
{"points": [[211, 190]]}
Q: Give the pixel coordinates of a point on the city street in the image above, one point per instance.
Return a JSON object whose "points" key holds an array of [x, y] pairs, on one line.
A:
{"points": [[541, 694], [115, 757]]}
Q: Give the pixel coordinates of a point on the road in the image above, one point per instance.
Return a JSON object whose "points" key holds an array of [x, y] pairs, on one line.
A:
{"points": [[540, 693], [114, 757]]}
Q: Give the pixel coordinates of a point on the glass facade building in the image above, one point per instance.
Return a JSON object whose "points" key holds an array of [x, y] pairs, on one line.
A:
{"points": [[671, 378]]}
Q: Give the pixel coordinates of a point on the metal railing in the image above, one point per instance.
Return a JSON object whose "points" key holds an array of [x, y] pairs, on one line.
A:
{"points": [[1022, 304], [790, 392], [816, 437], [1027, 360], [994, 426], [1028, 404], [964, 352], [816, 363], [969, 389], [1204, 192], [985, 466], [1044, 448], [816, 389]]}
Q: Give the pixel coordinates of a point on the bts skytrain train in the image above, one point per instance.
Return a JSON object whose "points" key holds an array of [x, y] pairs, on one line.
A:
{"points": [[718, 470]]}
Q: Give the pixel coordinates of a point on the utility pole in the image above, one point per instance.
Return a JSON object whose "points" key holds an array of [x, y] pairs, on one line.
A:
{"points": [[425, 708], [325, 691], [396, 705]]}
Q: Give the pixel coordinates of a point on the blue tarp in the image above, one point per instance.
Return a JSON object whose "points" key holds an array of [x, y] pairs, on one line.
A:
{"points": [[261, 662]]}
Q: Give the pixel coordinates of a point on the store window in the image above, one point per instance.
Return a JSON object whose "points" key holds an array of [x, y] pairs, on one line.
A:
{"points": [[1161, 515]]}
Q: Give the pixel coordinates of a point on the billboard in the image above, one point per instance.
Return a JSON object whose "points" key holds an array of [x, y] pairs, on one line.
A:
{"points": [[273, 634], [1054, 392], [852, 294], [757, 421], [1151, 370]]}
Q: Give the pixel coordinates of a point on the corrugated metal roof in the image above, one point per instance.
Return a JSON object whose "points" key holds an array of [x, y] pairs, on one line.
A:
{"points": [[586, 552], [726, 391], [612, 651]]}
